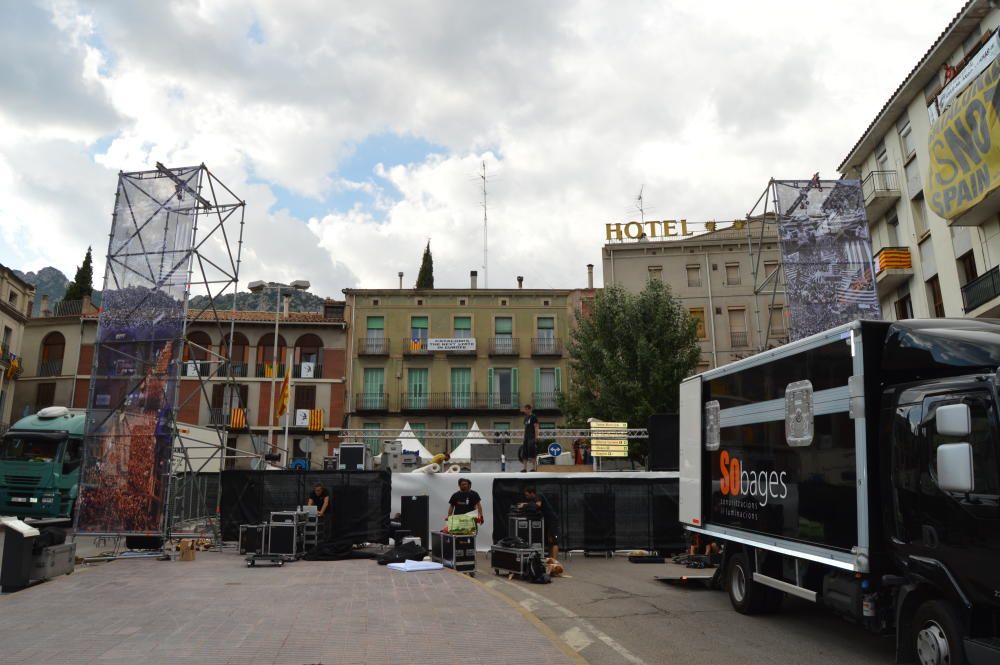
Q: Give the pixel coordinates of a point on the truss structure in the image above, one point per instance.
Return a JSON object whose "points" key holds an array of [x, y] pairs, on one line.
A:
{"points": [[765, 285], [174, 232]]}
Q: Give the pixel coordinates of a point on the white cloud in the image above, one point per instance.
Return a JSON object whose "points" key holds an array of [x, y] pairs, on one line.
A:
{"points": [[573, 105]]}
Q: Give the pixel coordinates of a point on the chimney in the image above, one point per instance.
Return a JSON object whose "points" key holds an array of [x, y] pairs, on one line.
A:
{"points": [[86, 305], [520, 282], [45, 306], [400, 281], [590, 275], [288, 299], [472, 278]]}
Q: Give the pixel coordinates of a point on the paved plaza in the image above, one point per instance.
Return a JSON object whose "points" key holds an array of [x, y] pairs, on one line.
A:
{"points": [[215, 610]]}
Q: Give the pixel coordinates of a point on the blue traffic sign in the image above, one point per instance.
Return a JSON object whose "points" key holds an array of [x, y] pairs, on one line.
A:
{"points": [[555, 449]]}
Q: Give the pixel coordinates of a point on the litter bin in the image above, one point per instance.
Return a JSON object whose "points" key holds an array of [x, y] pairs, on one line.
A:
{"points": [[15, 553]]}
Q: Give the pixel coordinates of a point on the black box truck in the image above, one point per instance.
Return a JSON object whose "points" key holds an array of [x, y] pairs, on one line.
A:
{"points": [[858, 468]]}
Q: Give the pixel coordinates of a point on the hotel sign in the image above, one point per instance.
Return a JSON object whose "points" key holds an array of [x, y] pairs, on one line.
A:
{"points": [[451, 344], [667, 228]]}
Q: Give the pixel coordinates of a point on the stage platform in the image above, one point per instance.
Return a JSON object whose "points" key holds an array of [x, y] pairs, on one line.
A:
{"points": [[215, 611]]}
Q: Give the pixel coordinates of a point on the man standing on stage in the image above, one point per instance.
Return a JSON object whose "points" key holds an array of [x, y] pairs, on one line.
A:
{"points": [[529, 449], [549, 516], [465, 500], [321, 499]]}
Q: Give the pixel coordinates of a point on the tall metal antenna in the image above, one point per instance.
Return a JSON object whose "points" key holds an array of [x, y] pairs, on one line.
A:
{"points": [[640, 206], [486, 274]]}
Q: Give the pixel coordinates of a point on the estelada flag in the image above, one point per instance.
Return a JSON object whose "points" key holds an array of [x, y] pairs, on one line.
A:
{"points": [[283, 395]]}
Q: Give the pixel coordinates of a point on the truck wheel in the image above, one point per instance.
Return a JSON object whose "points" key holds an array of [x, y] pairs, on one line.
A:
{"points": [[937, 633], [747, 596]]}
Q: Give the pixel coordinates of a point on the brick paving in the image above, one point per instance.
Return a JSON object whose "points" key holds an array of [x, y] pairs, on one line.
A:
{"points": [[215, 610]]}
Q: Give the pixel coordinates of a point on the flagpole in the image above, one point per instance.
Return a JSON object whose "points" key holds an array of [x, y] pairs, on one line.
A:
{"points": [[288, 411]]}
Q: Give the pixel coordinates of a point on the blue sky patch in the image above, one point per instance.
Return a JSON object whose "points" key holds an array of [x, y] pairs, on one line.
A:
{"points": [[255, 33]]}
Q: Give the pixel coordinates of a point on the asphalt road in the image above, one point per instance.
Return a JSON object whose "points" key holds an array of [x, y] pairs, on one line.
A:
{"points": [[613, 612]]}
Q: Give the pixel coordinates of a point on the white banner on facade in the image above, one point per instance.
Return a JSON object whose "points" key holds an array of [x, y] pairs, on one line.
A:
{"points": [[451, 344], [983, 58]]}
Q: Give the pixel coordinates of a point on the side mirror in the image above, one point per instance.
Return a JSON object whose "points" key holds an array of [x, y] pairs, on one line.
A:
{"points": [[953, 420], [954, 467]]}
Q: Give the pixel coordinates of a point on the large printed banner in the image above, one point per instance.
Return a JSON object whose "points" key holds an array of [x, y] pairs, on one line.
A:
{"points": [[964, 151], [826, 254], [139, 336]]}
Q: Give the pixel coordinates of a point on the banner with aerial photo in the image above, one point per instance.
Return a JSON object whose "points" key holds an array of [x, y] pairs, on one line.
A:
{"points": [[140, 331], [826, 254], [964, 146]]}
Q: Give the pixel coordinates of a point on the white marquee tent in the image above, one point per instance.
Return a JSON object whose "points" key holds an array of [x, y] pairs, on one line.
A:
{"points": [[411, 442], [463, 452]]}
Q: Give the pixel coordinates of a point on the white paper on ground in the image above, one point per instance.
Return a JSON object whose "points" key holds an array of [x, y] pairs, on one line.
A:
{"points": [[410, 566]]}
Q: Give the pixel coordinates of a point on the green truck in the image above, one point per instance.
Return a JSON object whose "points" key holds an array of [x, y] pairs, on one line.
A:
{"points": [[40, 459]]}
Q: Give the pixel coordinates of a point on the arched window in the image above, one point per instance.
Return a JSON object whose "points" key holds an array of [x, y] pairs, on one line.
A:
{"points": [[238, 358], [266, 364], [53, 350], [198, 347], [308, 357]]}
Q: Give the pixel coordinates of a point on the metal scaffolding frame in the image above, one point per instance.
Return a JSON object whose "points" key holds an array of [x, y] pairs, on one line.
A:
{"points": [[204, 256], [764, 210]]}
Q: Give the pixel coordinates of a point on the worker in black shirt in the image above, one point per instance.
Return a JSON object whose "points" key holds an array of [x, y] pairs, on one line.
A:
{"points": [[320, 498], [465, 500], [529, 449], [542, 504]]}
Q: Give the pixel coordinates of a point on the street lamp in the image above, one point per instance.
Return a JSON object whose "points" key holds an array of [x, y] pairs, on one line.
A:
{"points": [[260, 287]]}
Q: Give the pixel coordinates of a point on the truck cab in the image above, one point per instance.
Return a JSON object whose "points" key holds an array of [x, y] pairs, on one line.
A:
{"points": [[40, 460]]}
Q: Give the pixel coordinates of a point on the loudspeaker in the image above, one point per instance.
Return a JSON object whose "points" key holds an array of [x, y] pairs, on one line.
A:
{"points": [[664, 442], [415, 518]]}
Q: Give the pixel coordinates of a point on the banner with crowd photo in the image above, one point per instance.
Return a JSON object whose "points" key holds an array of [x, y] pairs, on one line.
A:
{"points": [[140, 332], [964, 148], [826, 254]]}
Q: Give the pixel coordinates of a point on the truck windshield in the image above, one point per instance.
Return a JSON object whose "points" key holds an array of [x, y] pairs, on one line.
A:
{"points": [[28, 449]]}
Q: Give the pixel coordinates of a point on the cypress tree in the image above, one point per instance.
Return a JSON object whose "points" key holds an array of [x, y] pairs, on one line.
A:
{"points": [[425, 278], [83, 282]]}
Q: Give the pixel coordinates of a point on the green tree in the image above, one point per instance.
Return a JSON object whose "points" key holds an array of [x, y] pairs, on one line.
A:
{"points": [[425, 278], [83, 282], [628, 356]]}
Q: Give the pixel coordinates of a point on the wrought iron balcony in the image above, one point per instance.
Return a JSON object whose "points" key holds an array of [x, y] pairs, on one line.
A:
{"points": [[235, 418], [416, 346], [312, 371], [739, 339], [50, 367], [546, 346], [233, 369], [373, 346], [371, 402], [981, 290], [451, 402], [881, 191], [267, 370], [500, 401], [504, 346], [893, 268], [545, 401]]}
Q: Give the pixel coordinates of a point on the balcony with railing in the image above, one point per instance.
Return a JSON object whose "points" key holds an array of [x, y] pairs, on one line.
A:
{"points": [[893, 268], [68, 308], [234, 419], [739, 339], [268, 370], [50, 367], [307, 370], [237, 369], [500, 401], [546, 346], [371, 402], [196, 368], [881, 191], [545, 401], [416, 346], [505, 346], [373, 346], [982, 291]]}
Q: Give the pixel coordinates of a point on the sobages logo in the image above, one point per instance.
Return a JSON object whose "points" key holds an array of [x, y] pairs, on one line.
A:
{"points": [[762, 486]]}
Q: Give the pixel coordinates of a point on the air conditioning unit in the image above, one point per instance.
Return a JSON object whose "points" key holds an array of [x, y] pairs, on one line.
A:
{"points": [[302, 417], [307, 370]]}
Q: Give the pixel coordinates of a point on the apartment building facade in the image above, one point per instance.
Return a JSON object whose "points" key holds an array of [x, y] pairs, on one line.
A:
{"points": [[735, 295], [928, 266], [16, 300], [443, 359], [58, 357]]}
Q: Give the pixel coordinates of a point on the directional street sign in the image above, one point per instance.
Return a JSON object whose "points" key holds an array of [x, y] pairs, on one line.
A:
{"points": [[609, 439], [555, 449]]}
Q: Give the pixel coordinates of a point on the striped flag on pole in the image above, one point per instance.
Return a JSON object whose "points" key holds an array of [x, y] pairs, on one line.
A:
{"points": [[283, 395]]}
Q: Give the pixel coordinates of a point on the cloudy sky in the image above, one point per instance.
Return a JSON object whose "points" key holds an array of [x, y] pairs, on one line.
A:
{"points": [[357, 131]]}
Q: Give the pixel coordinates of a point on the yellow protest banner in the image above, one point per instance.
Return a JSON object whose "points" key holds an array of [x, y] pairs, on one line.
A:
{"points": [[964, 148]]}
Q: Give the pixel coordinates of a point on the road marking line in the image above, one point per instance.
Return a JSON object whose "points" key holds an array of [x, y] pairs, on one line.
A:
{"points": [[577, 639], [594, 630], [529, 604]]}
